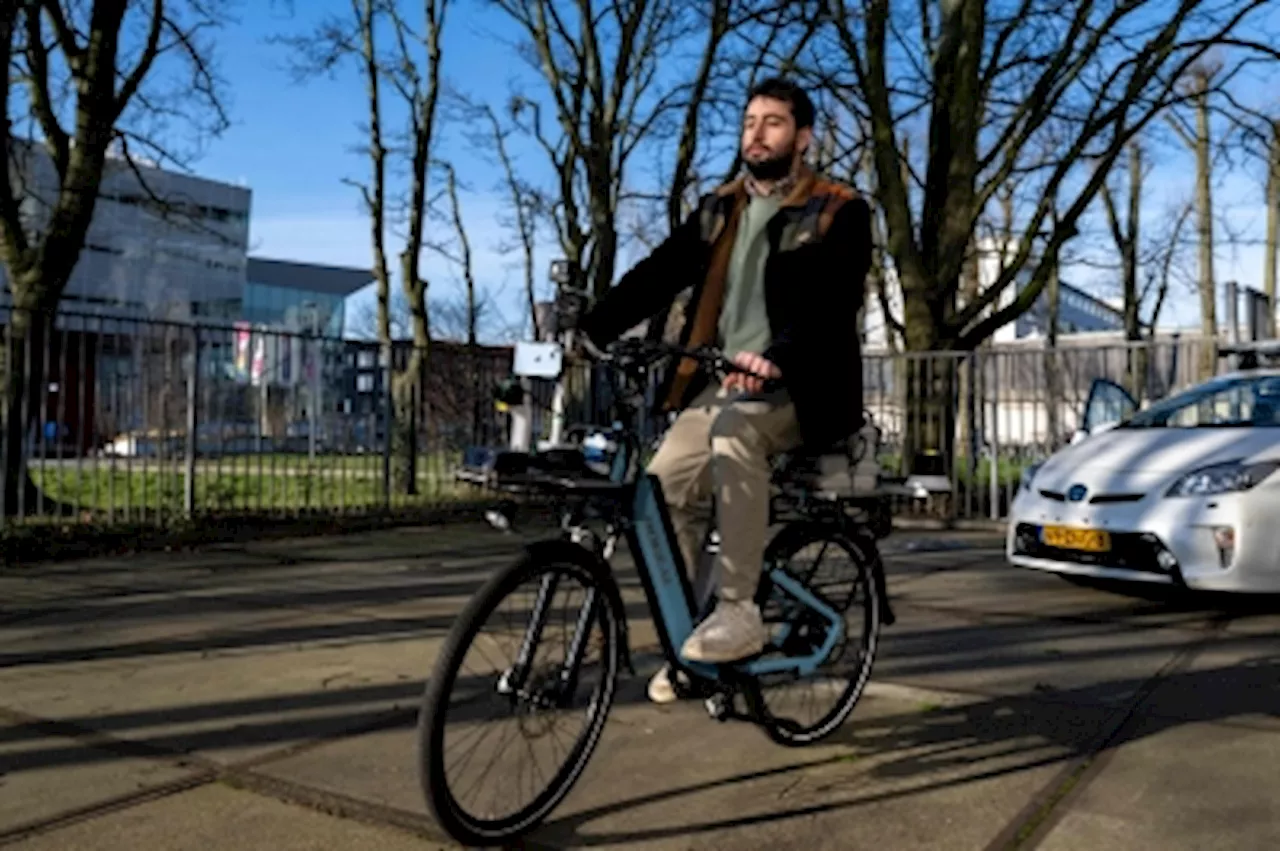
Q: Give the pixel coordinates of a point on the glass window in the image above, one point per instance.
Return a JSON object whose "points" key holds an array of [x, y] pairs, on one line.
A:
{"points": [[364, 383], [1225, 403]]}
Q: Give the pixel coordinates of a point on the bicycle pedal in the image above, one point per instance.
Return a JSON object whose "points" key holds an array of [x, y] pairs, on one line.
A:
{"points": [[718, 707]]}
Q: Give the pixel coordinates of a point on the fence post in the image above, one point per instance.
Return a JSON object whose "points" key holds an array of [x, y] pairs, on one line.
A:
{"points": [[388, 404], [6, 339], [995, 439], [313, 401], [193, 423], [974, 450]]}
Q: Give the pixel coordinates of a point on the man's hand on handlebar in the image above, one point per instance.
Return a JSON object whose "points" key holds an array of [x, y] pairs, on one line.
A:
{"points": [[746, 372], [756, 371]]}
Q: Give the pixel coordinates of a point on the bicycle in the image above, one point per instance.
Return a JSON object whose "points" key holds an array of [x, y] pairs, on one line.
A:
{"points": [[805, 609]]}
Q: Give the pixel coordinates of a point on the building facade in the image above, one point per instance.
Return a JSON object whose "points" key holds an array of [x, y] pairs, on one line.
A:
{"points": [[164, 284], [161, 245]]}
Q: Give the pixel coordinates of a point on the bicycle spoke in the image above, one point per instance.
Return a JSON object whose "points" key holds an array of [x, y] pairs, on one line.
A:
{"points": [[493, 732], [835, 574]]}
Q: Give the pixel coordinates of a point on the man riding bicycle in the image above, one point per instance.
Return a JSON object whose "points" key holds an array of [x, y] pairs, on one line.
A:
{"points": [[777, 261]]}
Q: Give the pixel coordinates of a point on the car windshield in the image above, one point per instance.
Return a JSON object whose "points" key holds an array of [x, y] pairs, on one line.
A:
{"points": [[1224, 403]]}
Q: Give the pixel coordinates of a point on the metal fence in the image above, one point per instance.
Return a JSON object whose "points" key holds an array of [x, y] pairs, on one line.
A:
{"points": [[129, 421], [988, 414]]}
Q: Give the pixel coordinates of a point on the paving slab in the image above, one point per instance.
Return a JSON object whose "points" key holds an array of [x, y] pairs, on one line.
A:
{"points": [[983, 583], [903, 771], [1235, 679], [1082, 663], [268, 686], [34, 788], [309, 655], [216, 817], [1190, 786]]}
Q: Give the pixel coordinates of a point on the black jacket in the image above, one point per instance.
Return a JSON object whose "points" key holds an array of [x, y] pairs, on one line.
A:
{"points": [[819, 255]]}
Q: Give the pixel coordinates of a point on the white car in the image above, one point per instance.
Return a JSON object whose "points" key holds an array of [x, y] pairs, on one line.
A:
{"points": [[1184, 493]]}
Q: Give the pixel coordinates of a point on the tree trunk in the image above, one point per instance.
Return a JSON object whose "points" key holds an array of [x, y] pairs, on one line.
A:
{"points": [[24, 355], [1052, 364], [1136, 362], [1273, 228], [930, 387], [1204, 204], [604, 245]]}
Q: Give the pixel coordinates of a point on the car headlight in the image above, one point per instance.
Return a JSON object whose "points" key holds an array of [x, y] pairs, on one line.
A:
{"points": [[1029, 476], [1232, 477]]}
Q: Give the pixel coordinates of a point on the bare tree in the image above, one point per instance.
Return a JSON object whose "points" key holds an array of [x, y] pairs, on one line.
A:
{"points": [[718, 21], [988, 80], [998, 81], [522, 200], [367, 321], [459, 253], [1163, 256], [598, 62], [412, 68], [82, 77], [375, 194], [420, 85], [1199, 139], [1127, 237], [1273, 223], [451, 318], [354, 37]]}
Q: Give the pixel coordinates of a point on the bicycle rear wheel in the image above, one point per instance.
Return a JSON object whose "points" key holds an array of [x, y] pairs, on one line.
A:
{"points": [[837, 567], [531, 688]]}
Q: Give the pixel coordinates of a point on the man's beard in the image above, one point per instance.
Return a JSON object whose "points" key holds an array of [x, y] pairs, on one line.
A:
{"points": [[775, 167]]}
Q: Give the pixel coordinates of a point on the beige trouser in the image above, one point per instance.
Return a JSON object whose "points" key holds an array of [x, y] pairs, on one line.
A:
{"points": [[721, 446]]}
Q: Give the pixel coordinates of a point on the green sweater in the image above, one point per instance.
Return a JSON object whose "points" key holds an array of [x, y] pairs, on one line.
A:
{"points": [[744, 321]]}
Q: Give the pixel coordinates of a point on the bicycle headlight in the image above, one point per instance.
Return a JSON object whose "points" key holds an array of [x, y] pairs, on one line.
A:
{"points": [[1232, 477]]}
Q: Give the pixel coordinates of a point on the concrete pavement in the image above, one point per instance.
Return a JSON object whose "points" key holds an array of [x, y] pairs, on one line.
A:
{"points": [[264, 696]]}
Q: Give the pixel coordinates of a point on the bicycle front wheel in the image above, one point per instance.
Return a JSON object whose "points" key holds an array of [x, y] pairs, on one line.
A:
{"points": [[838, 568], [518, 697]]}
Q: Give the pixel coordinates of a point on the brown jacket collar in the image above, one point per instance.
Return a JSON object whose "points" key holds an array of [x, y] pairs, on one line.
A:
{"points": [[806, 182]]}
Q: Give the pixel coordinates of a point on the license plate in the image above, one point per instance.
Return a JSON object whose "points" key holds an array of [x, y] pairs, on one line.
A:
{"points": [[1081, 540]]}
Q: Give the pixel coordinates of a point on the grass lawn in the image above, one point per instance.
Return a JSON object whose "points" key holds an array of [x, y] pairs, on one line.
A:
{"points": [[1008, 470], [277, 483]]}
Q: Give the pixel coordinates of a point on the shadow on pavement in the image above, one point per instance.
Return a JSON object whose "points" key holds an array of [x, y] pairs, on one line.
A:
{"points": [[990, 736]]}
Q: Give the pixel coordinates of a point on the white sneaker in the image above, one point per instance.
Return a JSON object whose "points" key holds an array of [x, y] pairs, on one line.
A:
{"points": [[733, 631], [662, 690]]}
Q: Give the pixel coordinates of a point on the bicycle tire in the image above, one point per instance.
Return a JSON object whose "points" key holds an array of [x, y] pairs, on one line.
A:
{"points": [[790, 540], [462, 826]]}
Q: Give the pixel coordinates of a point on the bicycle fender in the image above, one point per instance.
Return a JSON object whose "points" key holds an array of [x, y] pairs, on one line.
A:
{"points": [[567, 551]]}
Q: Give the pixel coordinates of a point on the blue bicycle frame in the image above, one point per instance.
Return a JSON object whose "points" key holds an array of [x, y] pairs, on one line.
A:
{"points": [[666, 583]]}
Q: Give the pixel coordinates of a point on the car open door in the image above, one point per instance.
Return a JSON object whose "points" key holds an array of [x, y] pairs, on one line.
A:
{"points": [[1108, 405]]}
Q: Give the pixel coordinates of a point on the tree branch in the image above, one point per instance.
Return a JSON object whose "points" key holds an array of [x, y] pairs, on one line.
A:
{"points": [[152, 49], [13, 236], [41, 101]]}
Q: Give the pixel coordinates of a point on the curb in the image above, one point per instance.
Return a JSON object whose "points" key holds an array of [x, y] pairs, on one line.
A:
{"points": [[913, 524]]}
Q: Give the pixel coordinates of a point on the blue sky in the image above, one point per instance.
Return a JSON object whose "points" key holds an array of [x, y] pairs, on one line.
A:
{"points": [[293, 146]]}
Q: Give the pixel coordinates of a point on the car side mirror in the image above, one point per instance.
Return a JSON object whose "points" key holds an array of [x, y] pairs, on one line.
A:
{"points": [[1083, 434]]}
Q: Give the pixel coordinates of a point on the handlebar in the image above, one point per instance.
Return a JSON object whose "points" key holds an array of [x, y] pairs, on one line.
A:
{"points": [[635, 353]]}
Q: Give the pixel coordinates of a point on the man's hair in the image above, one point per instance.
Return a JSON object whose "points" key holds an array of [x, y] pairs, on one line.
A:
{"points": [[784, 90]]}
